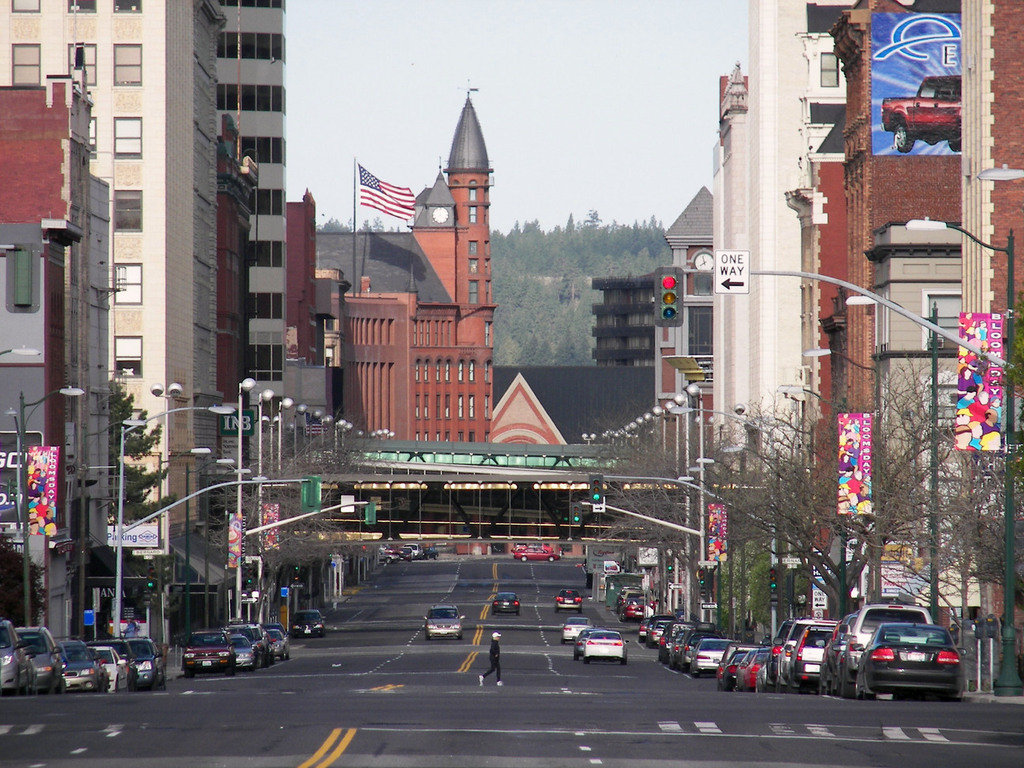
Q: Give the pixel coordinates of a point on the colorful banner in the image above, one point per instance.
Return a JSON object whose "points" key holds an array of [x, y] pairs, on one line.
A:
{"points": [[718, 532], [979, 385], [41, 474], [915, 83], [854, 463], [270, 513], [235, 529]]}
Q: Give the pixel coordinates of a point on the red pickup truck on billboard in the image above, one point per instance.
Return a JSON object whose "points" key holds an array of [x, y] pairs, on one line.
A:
{"points": [[933, 115]]}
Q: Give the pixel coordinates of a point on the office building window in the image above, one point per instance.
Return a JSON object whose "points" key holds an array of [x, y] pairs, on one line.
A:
{"points": [[703, 283], [127, 6], [127, 137], [472, 370], [447, 406], [447, 370], [266, 306], [426, 406], [948, 307], [83, 55], [128, 284], [416, 411], [487, 372], [473, 247], [128, 356], [416, 375], [437, 406], [267, 46], [474, 266], [460, 407], [461, 369], [263, 149], [472, 407], [699, 331], [487, 406], [127, 65], [487, 334], [267, 358], [25, 65], [92, 135], [82, 6], [25, 6], [128, 210], [254, 98], [472, 214], [270, 202], [829, 70], [266, 253], [437, 371], [474, 292], [472, 191]]}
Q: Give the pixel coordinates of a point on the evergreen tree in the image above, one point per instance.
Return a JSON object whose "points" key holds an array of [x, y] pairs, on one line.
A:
{"points": [[139, 444]]}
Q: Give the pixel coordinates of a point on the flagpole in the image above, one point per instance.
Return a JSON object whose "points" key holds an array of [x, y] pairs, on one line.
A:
{"points": [[355, 202]]}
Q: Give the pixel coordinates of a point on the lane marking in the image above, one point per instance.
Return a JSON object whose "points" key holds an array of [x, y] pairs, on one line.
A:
{"points": [[32, 730], [113, 730], [705, 727], [820, 730], [338, 750], [932, 734], [781, 729], [328, 743], [478, 634], [4, 730], [584, 748], [389, 687], [595, 761], [894, 732], [78, 751], [467, 663], [670, 726]]}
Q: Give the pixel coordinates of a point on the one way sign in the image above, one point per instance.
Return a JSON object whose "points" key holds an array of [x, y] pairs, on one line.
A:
{"points": [[731, 275]]}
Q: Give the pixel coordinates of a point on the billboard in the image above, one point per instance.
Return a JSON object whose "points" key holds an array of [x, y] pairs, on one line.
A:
{"points": [[718, 532], [915, 83], [979, 385], [854, 463]]}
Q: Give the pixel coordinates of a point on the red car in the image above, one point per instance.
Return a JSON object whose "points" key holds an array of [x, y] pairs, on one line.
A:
{"points": [[570, 600], [746, 672], [208, 650], [632, 610], [535, 552]]}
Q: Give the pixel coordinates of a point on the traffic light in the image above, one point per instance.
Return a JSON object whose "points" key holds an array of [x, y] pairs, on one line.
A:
{"points": [[670, 566], [773, 582], [597, 492], [577, 512], [310, 496], [249, 576], [370, 513], [668, 292], [151, 579]]}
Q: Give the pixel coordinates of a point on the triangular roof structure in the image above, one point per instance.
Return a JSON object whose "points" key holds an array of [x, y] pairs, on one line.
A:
{"points": [[694, 225], [469, 153], [518, 417]]}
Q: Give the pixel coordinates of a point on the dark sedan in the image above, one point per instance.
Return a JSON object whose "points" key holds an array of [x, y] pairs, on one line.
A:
{"points": [[911, 659], [505, 602], [308, 623]]}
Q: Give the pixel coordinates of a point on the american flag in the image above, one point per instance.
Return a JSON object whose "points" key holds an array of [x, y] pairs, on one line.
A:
{"points": [[387, 198]]}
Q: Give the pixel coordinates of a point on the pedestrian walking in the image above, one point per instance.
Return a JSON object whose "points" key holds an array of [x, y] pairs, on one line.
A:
{"points": [[495, 656]]}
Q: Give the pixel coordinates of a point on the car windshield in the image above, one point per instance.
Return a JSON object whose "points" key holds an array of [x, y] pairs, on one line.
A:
{"points": [[817, 638], [505, 596], [713, 645], [275, 634], [206, 638], [5, 638], [311, 617], [105, 655], [876, 616], [443, 613], [915, 635], [141, 648], [581, 621], [604, 636], [77, 653], [120, 646], [35, 640], [240, 642]]}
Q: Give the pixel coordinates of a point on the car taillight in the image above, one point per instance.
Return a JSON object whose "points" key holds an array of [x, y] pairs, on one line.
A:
{"points": [[776, 650], [617, 642], [883, 654], [662, 641], [732, 668], [948, 657], [800, 653], [577, 599], [516, 602], [754, 668]]}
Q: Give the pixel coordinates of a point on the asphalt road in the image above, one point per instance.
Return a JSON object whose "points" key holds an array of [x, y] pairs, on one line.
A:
{"points": [[374, 692]]}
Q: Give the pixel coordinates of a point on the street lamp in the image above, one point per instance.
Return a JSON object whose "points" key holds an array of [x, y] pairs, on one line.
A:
{"points": [[1009, 682], [245, 386], [23, 481], [22, 351]]}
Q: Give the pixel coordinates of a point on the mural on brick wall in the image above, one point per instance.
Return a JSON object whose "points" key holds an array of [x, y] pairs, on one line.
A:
{"points": [[915, 83]]}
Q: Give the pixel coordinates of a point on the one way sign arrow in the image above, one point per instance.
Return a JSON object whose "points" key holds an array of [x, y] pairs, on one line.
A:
{"points": [[731, 272]]}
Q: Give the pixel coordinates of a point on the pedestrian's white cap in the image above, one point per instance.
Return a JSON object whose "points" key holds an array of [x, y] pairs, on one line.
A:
{"points": [[496, 635]]}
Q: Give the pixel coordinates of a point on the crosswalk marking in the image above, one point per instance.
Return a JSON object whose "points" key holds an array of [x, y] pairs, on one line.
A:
{"points": [[32, 730], [4, 730], [705, 727], [670, 726], [820, 730], [932, 734], [894, 732]]}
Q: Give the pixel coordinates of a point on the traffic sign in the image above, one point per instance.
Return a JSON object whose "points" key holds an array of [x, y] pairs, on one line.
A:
{"points": [[707, 563], [791, 562], [709, 606], [731, 272]]}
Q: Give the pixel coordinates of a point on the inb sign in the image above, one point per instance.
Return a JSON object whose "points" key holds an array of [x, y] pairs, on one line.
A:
{"points": [[731, 272], [229, 423]]}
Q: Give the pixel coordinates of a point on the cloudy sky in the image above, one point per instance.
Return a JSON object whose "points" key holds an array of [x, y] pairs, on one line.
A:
{"points": [[610, 105]]}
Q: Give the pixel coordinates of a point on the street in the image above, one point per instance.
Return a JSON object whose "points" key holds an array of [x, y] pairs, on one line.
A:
{"points": [[374, 692]]}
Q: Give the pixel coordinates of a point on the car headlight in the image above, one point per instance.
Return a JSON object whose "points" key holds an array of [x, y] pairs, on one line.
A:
{"points": [[190, 654], [145, 666], [224, 653], [7, 658]]}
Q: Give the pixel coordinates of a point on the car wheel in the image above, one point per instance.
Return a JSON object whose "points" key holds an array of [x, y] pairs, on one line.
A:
{"points": [[954, 145], [901, 138], [861, 692], [191, 673], [230, 671], [846, 687], [551, 558], [523, 558], [623, 661], [586, 659]]}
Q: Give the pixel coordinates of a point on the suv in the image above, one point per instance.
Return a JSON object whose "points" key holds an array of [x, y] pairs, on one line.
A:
{"points": [[443, 621], [16, 668], [862, 627], [208, 650], [787, 655], [45, 655], [570, 599], [809, 656], [307, 623]]}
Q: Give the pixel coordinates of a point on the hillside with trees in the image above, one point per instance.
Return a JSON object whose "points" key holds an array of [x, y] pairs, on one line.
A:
{"points": [[541, 283]]}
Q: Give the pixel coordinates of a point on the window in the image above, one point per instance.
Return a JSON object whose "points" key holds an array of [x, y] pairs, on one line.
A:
{"points": [[127, 65], [92, 135], [487, 406], [266, 253], [472, 370], [416, 375], [487, 371], [128, 284], [829, 70], [426, 406], [699, 335], [472, 214], [447, 370], [487, 334], [417, 411], [474, 266], [255, 98], [263, 149], [83, 55], [472, 247], [25, 68], [86, 6], [447, 406], [474, 292], [472, 191], [127, 6], [948, 306], [472, 408], [437, 408], [25, 6], [127, 137], [128, 355], [460, 407], [267, 358], [703, 283], [255, 45], [270, 202], [461, 368], [266, 306], [128, 210], [437, 371]]}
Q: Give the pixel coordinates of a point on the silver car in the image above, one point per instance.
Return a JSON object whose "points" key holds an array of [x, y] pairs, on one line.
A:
{"points": [[16, 670], [443, 621], [573, 627], [46, 659], [279, 643]]}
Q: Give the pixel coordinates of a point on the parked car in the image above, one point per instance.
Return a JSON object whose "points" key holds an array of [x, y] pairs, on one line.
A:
{"points": [[410, 552], [429, 553], [208, 650], [656, 630], [626, 594], [389, 553], [748, 669], [911, 658], [307, 623], [116, 667], [804, 669], [834, 649], [279, 642], [604, 644], [686, 645], [150, 663], [81, 669], [535, 552], [731, 656], [245, 653], [572, 627], [706, 655], [505, 602], [862, 627], [125, 653], [570, 600], [786, 657], [668, 638], [16, 670], [42, 650], [259, 638], [644, 628], [443, 621]]}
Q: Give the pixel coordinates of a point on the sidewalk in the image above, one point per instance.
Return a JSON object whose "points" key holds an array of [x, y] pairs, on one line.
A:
{"points": [[985, 697]]}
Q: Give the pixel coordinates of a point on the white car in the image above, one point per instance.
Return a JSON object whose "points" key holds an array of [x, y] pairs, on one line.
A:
{"points": [[573, 627], [604, 644], [117, 668], [706, 655]]}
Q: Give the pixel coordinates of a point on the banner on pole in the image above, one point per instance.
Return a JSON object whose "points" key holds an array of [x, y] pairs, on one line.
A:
{"points": [[718, 532], [270, 513], [854, 463], [41, 473], [979, 384], [235, 540]]}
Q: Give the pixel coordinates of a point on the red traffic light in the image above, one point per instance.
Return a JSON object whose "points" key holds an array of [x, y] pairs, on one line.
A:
{"points": [[669, 282]]}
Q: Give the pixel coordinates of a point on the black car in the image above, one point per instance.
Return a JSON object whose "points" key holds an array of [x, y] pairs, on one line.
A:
{"points": [[152, 665], [505, 602], [308, 623], [125, 651], [911, 659]]}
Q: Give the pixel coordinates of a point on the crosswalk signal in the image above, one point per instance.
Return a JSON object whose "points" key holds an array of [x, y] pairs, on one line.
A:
{"points": [[668, 292]]}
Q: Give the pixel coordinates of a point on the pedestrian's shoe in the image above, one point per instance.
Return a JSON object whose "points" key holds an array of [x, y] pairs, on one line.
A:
{"points": [[481, 679], [500, 683]]}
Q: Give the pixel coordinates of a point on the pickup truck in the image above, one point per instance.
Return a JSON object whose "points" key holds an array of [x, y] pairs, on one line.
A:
{"points": [[932, 115]]}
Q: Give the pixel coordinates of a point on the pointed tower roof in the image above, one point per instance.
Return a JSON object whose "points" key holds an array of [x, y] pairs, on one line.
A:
{"points": [[469, 153], [694, 225]]}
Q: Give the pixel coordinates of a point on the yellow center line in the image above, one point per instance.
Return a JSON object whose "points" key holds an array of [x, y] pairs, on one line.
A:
{"points": [[494, 571], [467, 663], [328, 743], [342, 746], [478, 635], [484, 610]]}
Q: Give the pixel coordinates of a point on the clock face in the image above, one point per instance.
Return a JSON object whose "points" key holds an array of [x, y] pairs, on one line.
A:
{"points": [[440, 215], [704, 261]]}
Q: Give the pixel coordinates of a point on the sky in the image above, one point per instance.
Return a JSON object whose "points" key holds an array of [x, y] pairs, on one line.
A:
{"points": [[606, 105]]}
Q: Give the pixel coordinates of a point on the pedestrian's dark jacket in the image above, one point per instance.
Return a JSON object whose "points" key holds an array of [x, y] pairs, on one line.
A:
{"points": [[495, 653]]}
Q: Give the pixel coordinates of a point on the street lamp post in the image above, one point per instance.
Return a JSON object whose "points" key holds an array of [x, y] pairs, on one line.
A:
{"points": [[244, 388], [23, 481]]}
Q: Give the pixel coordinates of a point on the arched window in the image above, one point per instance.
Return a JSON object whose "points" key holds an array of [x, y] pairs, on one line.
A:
{"points": [[472, 370]]}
